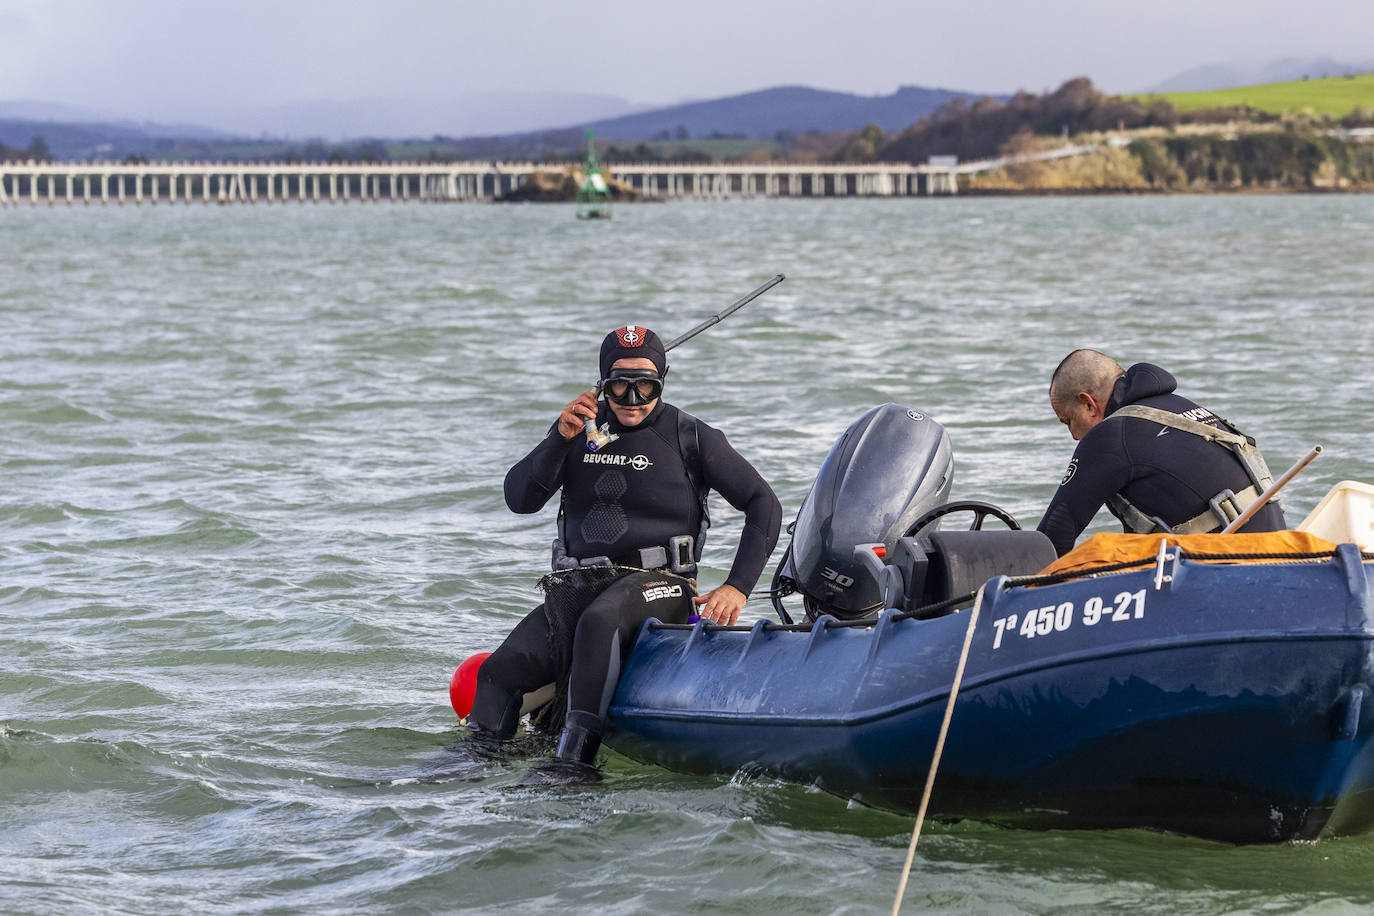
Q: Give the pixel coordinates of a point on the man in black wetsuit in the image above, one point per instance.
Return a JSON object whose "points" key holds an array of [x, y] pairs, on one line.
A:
{"points": [[637, 502], [1158, 461]]}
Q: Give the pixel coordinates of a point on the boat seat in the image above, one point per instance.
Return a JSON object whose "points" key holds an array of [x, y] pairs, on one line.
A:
{"points": [[959, 562]]}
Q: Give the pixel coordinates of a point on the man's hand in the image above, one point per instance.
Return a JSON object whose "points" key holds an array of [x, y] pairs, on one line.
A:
{"points": [[571, 419], [721, 605]]}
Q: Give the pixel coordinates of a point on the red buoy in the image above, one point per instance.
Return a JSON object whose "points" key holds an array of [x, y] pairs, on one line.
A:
{"points": [[463, 687]]}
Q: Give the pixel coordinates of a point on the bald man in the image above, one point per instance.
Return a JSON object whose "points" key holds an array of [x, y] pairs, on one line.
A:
{"points": [[1158, 461]]}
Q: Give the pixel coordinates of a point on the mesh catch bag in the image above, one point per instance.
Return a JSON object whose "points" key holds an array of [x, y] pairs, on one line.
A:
{"points": [[567, 593]]}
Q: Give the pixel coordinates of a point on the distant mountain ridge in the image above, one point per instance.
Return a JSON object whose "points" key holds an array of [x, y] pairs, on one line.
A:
{"points": [[760, 114], [101, 139], [784, 108]]}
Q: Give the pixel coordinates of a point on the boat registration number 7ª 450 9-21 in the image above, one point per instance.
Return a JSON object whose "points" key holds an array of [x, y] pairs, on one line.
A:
{"points": [[1056, 618]]}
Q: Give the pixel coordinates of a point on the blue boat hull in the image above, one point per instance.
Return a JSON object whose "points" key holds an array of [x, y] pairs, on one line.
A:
{"points": [[1224, 701]]}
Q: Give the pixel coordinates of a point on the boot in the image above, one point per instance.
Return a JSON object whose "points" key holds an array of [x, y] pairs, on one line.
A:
{"points": [[495, 713], [581, 738]]}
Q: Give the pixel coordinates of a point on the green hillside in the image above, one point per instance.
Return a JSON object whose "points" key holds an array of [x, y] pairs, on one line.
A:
{"points": [[1335, 96]]}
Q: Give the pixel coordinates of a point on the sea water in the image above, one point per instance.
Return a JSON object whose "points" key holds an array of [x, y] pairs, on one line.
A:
{"points": [[252, 518]]}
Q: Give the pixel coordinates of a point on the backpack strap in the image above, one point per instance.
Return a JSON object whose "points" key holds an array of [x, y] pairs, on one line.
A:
{"points": [[689, 446]]}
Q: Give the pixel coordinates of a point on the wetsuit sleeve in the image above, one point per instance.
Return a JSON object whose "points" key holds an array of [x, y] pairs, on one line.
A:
{"points": [[538, 475], [725, 471], [1099, 468]]}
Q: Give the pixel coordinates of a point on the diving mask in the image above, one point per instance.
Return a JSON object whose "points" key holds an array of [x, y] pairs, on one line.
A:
{"points": [[632, 387]]}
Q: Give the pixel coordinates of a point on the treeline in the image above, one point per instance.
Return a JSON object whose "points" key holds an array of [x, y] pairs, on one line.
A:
{"points": [[1281, 159], [37, 150], [643, 152], [981, 129]]}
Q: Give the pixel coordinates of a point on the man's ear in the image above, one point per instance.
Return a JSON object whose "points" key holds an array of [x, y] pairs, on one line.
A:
{"points": [[1094, 407]]}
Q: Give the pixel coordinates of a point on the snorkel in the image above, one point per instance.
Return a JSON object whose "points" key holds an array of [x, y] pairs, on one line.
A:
{"points": [[632, 391]]}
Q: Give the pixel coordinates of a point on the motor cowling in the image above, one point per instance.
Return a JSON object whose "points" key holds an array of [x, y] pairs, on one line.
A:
{"points": [[888, 468]]}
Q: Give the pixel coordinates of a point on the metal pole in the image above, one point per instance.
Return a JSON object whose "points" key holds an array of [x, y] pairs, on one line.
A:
{"points": [[720, 316], [1274, 488]]}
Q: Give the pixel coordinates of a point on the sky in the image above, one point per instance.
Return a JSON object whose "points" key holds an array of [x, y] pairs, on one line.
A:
{"points": [[196, 61]]}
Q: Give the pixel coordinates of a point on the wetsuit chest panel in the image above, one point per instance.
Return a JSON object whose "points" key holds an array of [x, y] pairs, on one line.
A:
{"points": [[634, 493]]}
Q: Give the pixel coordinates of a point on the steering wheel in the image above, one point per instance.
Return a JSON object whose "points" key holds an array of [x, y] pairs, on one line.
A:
{"points": [[980, 510]]}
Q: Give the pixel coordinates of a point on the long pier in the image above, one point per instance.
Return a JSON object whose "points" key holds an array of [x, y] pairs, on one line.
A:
{"points": [[320, 182]]}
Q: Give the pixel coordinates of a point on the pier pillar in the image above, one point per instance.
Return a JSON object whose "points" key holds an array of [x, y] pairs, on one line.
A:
{"points": [[333, 187]]}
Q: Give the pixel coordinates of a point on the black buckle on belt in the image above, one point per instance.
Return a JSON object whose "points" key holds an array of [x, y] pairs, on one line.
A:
{"points": [[678, 557], [682, 555], [652, 558]]}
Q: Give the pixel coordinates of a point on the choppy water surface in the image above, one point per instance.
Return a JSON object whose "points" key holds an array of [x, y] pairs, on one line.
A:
{"points": [[251, 518]]}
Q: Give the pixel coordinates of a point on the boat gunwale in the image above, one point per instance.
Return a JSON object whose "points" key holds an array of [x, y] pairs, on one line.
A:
{"points": [[641, 713]]}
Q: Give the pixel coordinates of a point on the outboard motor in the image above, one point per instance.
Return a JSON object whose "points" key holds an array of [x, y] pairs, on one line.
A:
{"points": [[890, 467]]}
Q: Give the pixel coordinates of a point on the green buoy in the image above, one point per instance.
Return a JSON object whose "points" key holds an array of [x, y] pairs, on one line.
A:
{"points": [[593, 196]]}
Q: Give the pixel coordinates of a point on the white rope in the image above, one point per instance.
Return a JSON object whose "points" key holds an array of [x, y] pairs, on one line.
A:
{"points": [[939, 748]]}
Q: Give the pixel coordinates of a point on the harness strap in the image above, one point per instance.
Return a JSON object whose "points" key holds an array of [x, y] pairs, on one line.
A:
{"points": [[1223, 508], [1175, 421], [689, 444]]}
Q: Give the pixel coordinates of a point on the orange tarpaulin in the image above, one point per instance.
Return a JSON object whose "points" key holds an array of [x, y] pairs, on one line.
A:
{"points": [[1108, 549]]}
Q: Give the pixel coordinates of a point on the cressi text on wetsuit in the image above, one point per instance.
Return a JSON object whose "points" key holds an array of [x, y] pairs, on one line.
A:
{"points": [[1147, 471]]}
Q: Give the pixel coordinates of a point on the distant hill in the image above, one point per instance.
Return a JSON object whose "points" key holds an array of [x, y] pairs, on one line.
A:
{"points": [[761, 114], [1336, 96], [100, 140], [785, 108], [1227, 76], [462, 114]]}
